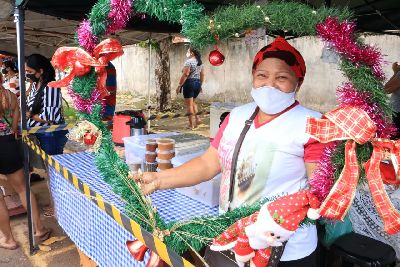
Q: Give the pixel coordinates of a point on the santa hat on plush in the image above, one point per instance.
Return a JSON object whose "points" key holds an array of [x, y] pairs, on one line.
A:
{"points": [[282, 217]]}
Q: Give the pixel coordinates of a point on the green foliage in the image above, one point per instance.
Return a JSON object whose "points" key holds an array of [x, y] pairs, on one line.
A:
{"points": [[364, 80], [363, 155], [184, 12], [292, 18], [84, 85], [99, 17]]}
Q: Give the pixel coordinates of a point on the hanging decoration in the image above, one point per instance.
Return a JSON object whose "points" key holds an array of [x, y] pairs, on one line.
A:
{"points": [[138, 250], [216, 58], [354, 124], [86, 133], [81, 62]]}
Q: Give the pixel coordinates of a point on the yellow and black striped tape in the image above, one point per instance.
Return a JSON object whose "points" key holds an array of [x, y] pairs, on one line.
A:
{"points": [[152, 242], [48, 129], [173, 115]]}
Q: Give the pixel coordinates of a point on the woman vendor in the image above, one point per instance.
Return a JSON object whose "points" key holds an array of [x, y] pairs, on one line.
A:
{"points": [[276, 156]]}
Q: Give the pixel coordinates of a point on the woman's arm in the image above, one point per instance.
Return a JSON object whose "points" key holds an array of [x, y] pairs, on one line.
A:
{"points": [[15, 112], [185, 75], [393, 84], [310, 168], [193, 172], [202, 75]]}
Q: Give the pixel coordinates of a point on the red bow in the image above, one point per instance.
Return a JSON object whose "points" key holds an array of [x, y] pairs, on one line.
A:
{"points": [[138, 249], [354, 125], [82, 62]]}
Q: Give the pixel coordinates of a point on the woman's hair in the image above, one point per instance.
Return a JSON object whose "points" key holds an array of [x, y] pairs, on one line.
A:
{"points": [[197, 55], [10, 64], [37, 62]]}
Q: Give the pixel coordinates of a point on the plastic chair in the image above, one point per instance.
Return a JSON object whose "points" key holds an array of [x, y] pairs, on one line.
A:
{"points": [[362, 250]]}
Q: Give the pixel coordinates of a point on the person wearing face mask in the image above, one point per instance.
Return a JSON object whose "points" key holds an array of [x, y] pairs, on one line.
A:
{"points": [[44, 104], [11, 80], [190, 84], [261, 149]]}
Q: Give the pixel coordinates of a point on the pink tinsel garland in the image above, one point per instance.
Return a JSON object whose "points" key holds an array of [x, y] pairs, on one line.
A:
{"points": [[322, 179], [85, 105], [341, 37], [347, 95], [119, 15], [85, 36]]}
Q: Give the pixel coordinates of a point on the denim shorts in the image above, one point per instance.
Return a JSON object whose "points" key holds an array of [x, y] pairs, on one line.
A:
{"points": [[191, 88]]}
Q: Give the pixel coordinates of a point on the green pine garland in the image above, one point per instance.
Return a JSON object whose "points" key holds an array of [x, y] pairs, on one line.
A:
{"points": [[98, 17], [84, 85], [184, 12], [277, 17]]}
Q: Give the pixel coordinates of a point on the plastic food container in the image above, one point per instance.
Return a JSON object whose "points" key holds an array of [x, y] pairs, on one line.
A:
{"points": [[151, 145], [165, 144], [165, 155], [150, 156], [164, 164]]}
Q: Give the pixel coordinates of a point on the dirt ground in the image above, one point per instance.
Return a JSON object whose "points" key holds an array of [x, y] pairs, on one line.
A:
{"points": [[62, 253]]}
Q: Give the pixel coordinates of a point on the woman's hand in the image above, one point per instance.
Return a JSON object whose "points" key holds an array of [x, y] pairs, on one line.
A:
{"points": [[178, 89], [395, 67], [28, 114], [148, 181]]}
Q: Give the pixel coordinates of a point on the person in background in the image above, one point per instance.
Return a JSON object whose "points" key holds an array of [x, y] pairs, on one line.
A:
{"points": [[44, 104], [276, 155], [110, 101], [393, 87], [11, 80], [191, 80], [11, 166]]}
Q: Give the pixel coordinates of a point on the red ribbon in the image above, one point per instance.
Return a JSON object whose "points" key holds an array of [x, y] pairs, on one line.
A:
{"points": [[82, 62], [138, 250], [355, 126]]}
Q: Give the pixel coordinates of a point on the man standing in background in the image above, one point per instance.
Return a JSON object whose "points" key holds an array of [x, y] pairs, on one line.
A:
{"points": [[111, 100]]}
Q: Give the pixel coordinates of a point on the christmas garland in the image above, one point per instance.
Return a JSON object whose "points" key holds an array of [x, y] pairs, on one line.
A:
{"points": [[359, 62]]}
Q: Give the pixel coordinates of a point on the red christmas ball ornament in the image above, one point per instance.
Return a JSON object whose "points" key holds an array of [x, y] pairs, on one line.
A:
{"points": [[89, 139], [81, 69], [216, 58]]}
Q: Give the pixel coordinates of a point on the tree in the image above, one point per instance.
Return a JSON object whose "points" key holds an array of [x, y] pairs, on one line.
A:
{"points": [[162, 74]]}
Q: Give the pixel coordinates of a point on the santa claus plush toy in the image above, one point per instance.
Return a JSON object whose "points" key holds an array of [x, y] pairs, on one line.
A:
{"points": [[252, 237]]}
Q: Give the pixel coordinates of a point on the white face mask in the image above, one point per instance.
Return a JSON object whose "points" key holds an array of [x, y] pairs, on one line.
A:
{"points": [[272, 100]]}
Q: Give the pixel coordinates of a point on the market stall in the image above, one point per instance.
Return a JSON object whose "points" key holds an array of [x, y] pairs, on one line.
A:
{"points": [[161, 230]]}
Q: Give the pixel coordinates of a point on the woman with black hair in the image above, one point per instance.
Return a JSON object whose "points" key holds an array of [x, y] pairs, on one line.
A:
{"points": [[44, 104], [11, 80], [191, 80]]}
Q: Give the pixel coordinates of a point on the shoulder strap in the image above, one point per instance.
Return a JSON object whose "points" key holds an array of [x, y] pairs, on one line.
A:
{"points": [[235, 155]]}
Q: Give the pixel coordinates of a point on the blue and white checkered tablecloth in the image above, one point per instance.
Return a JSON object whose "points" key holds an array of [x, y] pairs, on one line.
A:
{"points": [[93, 231]]}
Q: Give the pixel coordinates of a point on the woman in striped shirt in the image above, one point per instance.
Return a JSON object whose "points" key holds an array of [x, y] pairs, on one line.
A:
{"points": [[44, 104]]}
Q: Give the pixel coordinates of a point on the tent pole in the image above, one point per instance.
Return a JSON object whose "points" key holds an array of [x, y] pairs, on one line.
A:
{"points": [[148, 86], [19, 20]]}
